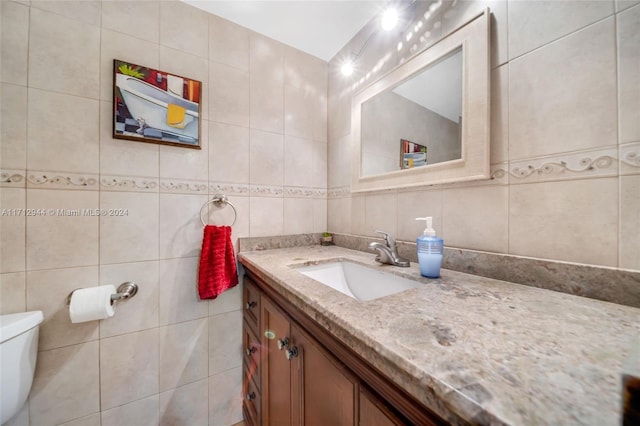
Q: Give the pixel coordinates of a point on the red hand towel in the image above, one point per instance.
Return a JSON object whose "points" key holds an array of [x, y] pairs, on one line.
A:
{"points": [[217, 262]]}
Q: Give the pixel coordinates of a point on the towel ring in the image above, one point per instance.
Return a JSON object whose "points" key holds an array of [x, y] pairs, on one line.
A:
{"points": [[219, 200]]}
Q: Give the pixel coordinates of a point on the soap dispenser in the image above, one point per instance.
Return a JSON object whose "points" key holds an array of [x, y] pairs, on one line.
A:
{"points": [[430, 249]]}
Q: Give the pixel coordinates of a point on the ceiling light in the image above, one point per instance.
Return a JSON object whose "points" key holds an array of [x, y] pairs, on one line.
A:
{"points": [[389, 19], [347, 68]]}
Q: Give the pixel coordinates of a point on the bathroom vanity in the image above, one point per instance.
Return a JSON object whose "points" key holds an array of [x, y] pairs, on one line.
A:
{"points": [[461, 349]]}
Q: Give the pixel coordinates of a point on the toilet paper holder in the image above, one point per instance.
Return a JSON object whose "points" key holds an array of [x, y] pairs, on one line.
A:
{"points": [[126, 291]]}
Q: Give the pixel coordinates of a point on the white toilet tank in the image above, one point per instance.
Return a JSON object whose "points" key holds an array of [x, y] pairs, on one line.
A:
{"points": [[18, 353]]}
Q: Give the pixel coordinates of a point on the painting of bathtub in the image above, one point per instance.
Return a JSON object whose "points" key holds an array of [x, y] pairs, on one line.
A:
{"points": [[155, 106]]}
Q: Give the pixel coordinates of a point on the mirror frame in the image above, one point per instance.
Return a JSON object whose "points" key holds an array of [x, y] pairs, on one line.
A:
{"points": [[473, 36]]}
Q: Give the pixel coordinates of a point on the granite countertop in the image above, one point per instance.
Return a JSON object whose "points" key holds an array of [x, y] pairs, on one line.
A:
{"points": [[473, 349]]}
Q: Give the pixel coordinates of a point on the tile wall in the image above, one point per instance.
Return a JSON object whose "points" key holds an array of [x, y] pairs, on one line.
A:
{"points": [[166, 357], [565, 139]]}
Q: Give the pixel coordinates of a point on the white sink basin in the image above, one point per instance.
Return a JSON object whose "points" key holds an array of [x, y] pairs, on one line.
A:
{"points": [[357, 281]]}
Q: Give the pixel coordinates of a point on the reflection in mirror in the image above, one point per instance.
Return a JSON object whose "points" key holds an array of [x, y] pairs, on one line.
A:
{"points": [[422, 115]]}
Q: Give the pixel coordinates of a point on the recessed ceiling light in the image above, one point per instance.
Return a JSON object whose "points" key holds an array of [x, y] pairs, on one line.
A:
{"points": [[389, 19]]}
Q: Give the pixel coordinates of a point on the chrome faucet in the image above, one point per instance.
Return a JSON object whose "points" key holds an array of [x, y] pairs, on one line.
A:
{"points": [[387, 252]]}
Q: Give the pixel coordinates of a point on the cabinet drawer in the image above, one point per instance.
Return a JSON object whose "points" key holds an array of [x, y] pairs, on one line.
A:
{"points": [[252, 353], [252, 400], [251, 304]]}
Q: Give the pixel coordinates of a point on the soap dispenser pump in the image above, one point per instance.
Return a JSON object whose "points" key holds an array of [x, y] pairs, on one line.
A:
{"points": [[430, 249]]}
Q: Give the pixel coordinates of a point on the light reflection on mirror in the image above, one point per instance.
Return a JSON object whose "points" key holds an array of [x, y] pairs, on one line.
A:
{"points": [[425, 110]]}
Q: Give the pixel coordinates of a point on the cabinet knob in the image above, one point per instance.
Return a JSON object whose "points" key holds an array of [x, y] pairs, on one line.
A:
{"points": [[252, 304], [292, 353], [251, 396], [251, 350], [283, 343]]}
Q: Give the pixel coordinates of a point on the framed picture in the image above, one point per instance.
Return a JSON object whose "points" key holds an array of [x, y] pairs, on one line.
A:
{"points": [[155, 106], [412, 154]]}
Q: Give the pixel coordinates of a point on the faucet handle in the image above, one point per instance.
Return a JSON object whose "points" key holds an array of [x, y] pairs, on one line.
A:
{"points": [[388, 239]]}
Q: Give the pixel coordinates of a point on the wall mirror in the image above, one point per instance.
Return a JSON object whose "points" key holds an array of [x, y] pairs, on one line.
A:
{"points": [[427, 120]]}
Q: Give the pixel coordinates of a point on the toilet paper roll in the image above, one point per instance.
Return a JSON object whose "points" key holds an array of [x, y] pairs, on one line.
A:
{"points": [[93, 303]]}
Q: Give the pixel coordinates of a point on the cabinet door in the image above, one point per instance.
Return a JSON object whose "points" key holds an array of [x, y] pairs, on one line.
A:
{"points": [[374, 412], [276, 373], [323, 391]]}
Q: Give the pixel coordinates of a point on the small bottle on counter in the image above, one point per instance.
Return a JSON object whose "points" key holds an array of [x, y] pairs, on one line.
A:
{"points": [[430, 249]]}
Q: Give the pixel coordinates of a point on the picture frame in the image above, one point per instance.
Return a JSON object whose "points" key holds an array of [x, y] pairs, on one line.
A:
{"points": [[412, 154], [155, 106]]}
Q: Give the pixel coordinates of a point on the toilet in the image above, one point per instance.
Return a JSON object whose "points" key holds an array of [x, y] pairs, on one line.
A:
{"points": [[18, 353]]}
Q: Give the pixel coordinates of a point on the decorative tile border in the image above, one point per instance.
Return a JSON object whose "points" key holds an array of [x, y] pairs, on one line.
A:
{"points": [[594, 163], [339, 192], [184, 186], [129, 184], [630, 158], [298, 192], [12, 178], [266, 191], [61, 180], [228, 188]]}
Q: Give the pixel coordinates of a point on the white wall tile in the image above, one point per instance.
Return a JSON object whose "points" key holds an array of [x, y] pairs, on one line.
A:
{"points": [[90, 420], [78, 10], [47, 291], [186, 405], [298, 161], [623, 4], [228, 43], [64, 55], [58, 139], [629, 222], [12, 230], [267, 84], [135, 18], [228, 153], [14, 43], [140, 312], [381, 210], [129, 229], [184, 27], [476, 218], [66, 385], [628, 23], [56, 240], [499, 135], [178, 291], [13, 291], [143, 412], [339, 155], [115, 45], [298, 215], [535, 23], [184, 353], [266, 158], [319, 215], [229, 95], [230, 300], [415, 204], [180, 225], [575, 221], [13, 132], [319, 164], [339, 216], [128, 368], [225, 397], [225, 342], [563, 97], [266, 216]]}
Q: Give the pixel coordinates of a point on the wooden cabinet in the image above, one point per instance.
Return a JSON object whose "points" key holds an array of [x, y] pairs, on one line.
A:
{"points": [[296, 373]]}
